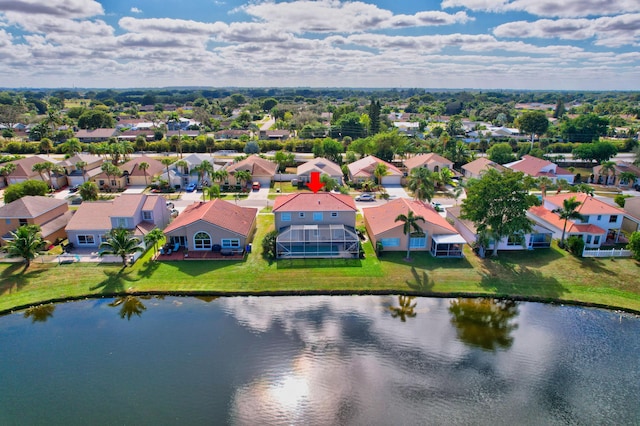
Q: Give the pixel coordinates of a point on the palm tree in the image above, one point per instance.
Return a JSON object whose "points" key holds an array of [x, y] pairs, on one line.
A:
{"points": [[568, 211], [72, 147], [120, 243], [144, 166], [6, 170], [153, 237], [40, 168], [176, 142], [421, 183], [380, 171], [26, 242], [608, 167], [410, 226], [243, 176], [212, 192], [46, 145], [627, 178], [110, 170], [544, 183], [183, 165], [406, 308], [82, 166], [167, 162], [220, 176], [88, 191]]}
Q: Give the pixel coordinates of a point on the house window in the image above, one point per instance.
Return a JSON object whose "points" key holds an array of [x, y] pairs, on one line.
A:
{"points": [[114, 183], [122, 222], [7, 221], [514, 240], [101, 182], [301, 214], [334, 214], [588, 239], [613, 218], [230, 243], [418, 242], [147, 216], [22, 222], [104, 238], [85, 240], [596, 239], [202, 241], [390, 242], [317, 216], [285, 217], [599, 217]]}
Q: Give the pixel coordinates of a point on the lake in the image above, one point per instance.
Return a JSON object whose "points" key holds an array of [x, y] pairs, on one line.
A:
{"points": [[318, 360]]}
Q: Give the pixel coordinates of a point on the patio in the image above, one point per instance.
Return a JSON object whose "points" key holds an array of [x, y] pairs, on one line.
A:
{"points": [[198, 255]]}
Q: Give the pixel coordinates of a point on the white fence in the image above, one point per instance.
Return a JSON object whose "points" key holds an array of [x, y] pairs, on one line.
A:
{"points": [[606, 253]]}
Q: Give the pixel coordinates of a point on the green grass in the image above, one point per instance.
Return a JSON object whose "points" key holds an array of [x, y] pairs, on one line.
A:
{"points": [[546, 275]]}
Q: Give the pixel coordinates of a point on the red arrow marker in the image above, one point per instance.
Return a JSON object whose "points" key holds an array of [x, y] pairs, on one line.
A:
{"points": [[315, 185]]}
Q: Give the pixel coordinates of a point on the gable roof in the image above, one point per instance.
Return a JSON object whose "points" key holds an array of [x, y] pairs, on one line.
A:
{"points": [[620, 167], [96, 215], [133, 166], [383, 218], [314, 202], [29, 206], [366, 165], [102, 133], [588, 204], [482, 164], [533, 166], [87, 158], [572, 228], [24, 166], [426, 159], [255, 165], [220, 213], [321, 165]]}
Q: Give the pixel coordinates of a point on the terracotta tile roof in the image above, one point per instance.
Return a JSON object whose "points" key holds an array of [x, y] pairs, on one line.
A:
{"points": [[96, 215], [364, 167], [87, 158], [482, 164], [620, 167], [532, 166], [321, 165], [217, 212], [24, 166], [30, 206], [102, 133], [133, 166], [426, 159], [572, 227], [588, 204], [56, 224], [383, 218], [255, 165], [314, 202]]}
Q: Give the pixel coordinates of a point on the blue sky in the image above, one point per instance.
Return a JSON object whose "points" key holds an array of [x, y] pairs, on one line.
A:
{"points": [[483, 44]]}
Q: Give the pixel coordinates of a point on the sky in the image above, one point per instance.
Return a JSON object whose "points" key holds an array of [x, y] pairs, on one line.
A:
{"points": [[458, 44]]}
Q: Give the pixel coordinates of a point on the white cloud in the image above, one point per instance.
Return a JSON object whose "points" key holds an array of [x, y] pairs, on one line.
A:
{"points": [[178, 26], [135, 10], [47, 24], [550, 8], [59, 8]]}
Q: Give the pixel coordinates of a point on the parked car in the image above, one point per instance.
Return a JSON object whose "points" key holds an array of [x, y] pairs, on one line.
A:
{"points": [[191, 187], [366, 196], [255, 186], [73, 189]]}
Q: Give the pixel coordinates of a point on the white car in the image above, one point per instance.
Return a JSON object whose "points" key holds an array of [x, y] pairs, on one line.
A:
{"points": [[366, 196]]}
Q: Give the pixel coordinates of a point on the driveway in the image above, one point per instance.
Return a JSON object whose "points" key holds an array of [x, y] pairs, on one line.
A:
{"points": [[396, 191], [261, 194]]}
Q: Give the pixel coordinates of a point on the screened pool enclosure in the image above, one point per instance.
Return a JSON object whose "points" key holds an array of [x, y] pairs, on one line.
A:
{"points": [[320, 241]]}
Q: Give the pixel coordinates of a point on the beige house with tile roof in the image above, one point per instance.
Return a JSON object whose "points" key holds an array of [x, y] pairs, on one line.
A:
{"points": [[614, 178], [51, 214], [320, 225], [131, 173], [213, 225], [476, 168], [438, 236], [139, 213], [261, 170], [431, 161], [322, 166], [75, 176], [24, 169], [362, 170], [537, 167]]}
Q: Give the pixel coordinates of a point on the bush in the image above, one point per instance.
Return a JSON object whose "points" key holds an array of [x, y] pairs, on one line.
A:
{"points": [[634, 245], [269, 245], [575, 245]]}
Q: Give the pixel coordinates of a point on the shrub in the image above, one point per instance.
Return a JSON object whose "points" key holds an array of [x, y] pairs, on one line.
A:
{"points": [[575, 245], [634, 245], [269, 245]]}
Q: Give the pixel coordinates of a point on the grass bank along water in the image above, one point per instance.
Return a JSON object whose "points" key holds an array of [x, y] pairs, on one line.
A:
{"points": [[544, 275]]}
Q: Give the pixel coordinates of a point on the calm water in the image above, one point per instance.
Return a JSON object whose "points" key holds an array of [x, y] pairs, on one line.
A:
{"points": [[318, 360]]}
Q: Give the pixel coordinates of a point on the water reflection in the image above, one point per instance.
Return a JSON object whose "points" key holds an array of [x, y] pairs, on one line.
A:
{"points": [[130, 305], [405, 309], [40, 313], [484, 323]]}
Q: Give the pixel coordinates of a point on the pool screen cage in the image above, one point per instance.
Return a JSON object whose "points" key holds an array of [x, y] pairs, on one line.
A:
{"points": [[318, 241]]}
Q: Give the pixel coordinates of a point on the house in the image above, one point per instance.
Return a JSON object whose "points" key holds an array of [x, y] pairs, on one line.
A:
{"points": [[189, 173], [632, 208], [95, 135], [431, 161], [602, 221], [320, 225], [362, 170], [131, 174], [438, 237], [274, 135], [75, 175], [139, 213], [537, 167], [539, 237], [322, 166], [476, 168], [51, 214], [611, 178], [261, 170], [231, 134], [213, 225], [24, 169], [407, 128]]}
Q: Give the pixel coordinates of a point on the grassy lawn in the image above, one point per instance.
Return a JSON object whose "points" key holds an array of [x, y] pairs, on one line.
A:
{"points": [[549, 274]]}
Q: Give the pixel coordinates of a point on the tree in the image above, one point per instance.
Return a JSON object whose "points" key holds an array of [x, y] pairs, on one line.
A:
{"points": [[167, 162], [585, 128], [422, 183], [497, 204], [406, 308], [608, 168], [153, 237], [82, 166], [627, 178], [501, 153], [71, 146], [144, 166], [111, 171], [46, 145], [560, 109], [533, 122], [26, 242], [283, 160], [634, 245], [120, 243], [40, 168], [28, 187], [6, 170], [94, 119], [268, 104], [141, 142], [212, 191], [598, 151], [569, 210], [243, 176], [88, 191], [380, 171], [410, 221], [251, 147], [374, 117]]}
